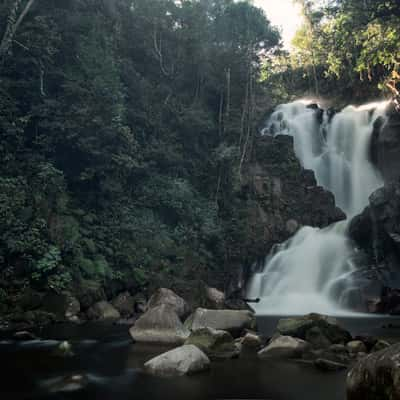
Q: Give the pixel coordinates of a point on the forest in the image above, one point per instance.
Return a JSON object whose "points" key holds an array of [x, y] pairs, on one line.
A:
{"points": [[125, 126], [163, 161]]}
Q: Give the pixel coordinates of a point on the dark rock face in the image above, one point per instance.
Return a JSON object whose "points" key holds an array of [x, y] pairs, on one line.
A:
{"points": [[376, 232], [280, 198], [376, 376], [385, 147]]}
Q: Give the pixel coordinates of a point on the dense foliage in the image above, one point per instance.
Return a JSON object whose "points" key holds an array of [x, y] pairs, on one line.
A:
{"points": [[124, 125]]}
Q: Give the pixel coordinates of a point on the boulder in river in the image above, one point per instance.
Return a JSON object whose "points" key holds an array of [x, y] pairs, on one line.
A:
{"points": [[103, 310], [233, 321], [160, 324], [301, 326], [284, 347], [214, 343], [184, 360], [170, 298], [376, 376]]}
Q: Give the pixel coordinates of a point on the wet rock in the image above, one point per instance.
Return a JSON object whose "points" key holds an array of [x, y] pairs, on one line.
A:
{"points": [[356, 346], [215, 299], [376, 376], [284, 347], [369, 341], [233, 321], [168, 297], [184, 360], [251, 340], [103, 311], [380, 345], [160, 324], [124, 303], [327, 327], [214, 343], [328, 365]]}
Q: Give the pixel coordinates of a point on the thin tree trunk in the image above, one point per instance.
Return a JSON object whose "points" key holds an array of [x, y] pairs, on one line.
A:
{"points": [[228, 92], [13, 23], [249, 125], [221, 110]]}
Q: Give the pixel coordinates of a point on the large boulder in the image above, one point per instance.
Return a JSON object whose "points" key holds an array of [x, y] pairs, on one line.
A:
{"points": [[125, 304], [160, 324], [184, 360], [233, 321], [170, 298], [103, 310], [376, 376], [305, 327], [284, 347], [215, 343]]}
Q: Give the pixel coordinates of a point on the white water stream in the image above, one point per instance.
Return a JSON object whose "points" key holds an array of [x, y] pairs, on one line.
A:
{"points": [[311, 272]]}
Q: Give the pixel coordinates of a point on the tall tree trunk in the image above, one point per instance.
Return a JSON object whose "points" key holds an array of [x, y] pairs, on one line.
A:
{"points": [[228, 92], [13, 23]]}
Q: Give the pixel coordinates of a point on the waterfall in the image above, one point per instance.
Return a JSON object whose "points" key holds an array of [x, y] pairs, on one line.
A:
{"points": [[312, 271]]}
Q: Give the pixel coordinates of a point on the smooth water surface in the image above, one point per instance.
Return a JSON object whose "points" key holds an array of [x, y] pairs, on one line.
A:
{"points": [[112, 365]]}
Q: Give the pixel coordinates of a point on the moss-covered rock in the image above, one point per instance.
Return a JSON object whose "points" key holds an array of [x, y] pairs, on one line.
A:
{"points": [[215, 343], [301, 326]]}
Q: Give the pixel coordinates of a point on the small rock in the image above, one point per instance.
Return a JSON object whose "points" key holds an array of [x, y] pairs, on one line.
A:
{"points": [[125, 304], [184, 360], [251, 340], [103, 310], [284, 347], [380, 345], [64, 349], [215, 298], [356, 346]]}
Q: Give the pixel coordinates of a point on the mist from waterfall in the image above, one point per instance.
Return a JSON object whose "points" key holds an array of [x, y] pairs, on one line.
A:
{"points": [[312, 271]]}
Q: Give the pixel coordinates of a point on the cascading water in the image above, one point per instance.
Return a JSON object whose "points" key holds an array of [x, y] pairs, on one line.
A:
{"points": [[312, 272]]}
